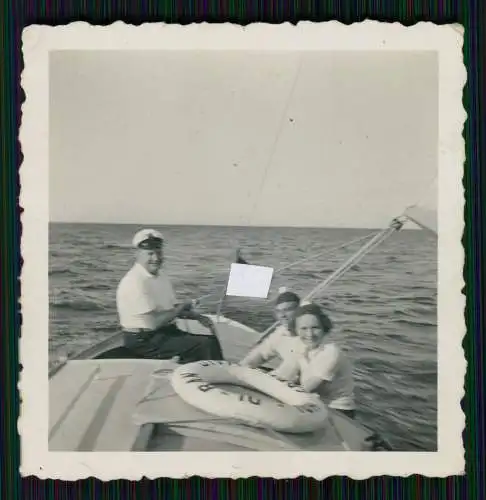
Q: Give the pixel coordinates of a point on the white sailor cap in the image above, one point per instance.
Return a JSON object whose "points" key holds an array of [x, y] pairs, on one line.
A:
{"points": [[148, 238]]}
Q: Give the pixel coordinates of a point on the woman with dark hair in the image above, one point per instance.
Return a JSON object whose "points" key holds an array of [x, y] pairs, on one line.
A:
{"points": [[317, 363]]}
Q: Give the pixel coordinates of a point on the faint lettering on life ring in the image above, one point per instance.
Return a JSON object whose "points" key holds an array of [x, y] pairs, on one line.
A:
{"points": [[244, 396], [206, 387], [213, 363], [297, 387], [191, 377], [292, 385], [308, 408]]}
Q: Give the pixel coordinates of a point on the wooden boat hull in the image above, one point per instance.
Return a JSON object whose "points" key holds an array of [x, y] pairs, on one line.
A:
{"points": [[100, 404]]}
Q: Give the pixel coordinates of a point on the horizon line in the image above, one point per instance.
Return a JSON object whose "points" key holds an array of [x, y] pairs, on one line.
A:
{"points": [[365, 228]]}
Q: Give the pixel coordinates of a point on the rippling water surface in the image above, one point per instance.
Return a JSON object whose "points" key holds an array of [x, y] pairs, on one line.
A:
{"points": [[385, 308]]}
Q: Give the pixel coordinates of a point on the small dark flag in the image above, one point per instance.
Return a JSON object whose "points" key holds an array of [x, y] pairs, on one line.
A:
{"points": [[240, 259]]}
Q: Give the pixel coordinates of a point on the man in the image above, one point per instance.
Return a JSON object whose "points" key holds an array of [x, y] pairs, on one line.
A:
{"points": [[279, 342], [147, 309]]}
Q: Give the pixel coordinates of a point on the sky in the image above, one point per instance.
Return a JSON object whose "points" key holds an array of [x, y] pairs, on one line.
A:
{"points": [[315, 139]]}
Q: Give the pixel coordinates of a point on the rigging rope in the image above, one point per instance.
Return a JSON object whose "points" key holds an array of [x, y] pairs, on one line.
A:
{"points": [[374, 242], [394, 226], [269, 161], [275, 142], [327, 251]]}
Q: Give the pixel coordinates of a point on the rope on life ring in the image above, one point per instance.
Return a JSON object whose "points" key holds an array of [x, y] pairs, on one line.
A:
{"points": [[291, 410]]}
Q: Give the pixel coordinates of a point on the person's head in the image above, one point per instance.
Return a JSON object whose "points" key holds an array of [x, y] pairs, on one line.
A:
{"points": [[285, 306], [311, 324], [148, 245]]}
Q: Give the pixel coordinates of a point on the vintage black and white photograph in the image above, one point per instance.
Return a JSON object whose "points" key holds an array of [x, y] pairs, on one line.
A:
{"points": [[243, 250]]}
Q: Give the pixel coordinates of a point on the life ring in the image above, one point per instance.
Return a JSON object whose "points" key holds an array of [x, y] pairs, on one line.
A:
{"points": [[291, 410]]}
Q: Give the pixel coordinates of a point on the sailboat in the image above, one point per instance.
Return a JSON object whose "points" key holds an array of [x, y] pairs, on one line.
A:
{"points": [[105, 399]]}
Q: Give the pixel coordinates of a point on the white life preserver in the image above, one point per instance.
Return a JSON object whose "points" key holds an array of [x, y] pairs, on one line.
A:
{"points": [[291, 410]]}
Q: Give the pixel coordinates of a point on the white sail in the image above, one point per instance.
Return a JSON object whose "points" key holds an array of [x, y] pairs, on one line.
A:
{"points": [[424, 213], [425, 218]]}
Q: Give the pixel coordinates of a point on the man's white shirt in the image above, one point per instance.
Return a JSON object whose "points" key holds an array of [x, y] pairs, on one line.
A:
{"points": [[279, 342], [140, 293]]}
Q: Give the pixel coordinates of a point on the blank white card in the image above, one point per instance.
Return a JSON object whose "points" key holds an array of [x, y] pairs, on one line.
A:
{"points": [[249, 281]]}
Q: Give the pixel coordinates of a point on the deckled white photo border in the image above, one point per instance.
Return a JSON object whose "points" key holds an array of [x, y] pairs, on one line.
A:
{"points": [[38, 41]]}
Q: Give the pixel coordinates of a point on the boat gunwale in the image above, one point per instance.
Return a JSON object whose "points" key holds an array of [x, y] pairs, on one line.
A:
{"points": [[116, 340]]}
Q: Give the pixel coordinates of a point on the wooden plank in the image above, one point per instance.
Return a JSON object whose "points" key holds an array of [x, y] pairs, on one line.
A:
{"points": [[120, 431], [117, 367], [98, 423], [66, 387], [68, 436], [219, 438], [143, 438], [85, 419], [172, 440]]}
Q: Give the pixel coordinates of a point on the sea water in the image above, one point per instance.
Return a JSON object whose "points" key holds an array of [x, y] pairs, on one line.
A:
{"points": [[384, 309]]}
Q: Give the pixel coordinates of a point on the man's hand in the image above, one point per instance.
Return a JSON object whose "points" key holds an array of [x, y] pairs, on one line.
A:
{"points": [[205, 321], [184, 307], [278, 375]]}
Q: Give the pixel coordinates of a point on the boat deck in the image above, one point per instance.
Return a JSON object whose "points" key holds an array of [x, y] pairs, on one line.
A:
{"points": [[93, 410], [129, 405]]}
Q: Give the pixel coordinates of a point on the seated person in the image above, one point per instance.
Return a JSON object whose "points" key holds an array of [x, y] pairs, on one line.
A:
{"points": [[318, 364], [148, 311], [277, 343]]}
